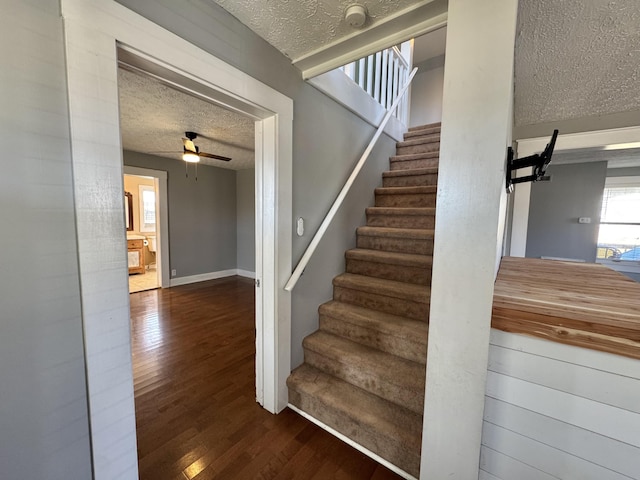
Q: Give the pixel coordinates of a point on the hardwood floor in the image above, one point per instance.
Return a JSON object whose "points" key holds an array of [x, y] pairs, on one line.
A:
{"points": [[197, 418]]}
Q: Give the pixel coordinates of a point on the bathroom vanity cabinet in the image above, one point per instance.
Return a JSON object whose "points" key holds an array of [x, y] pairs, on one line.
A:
{"points": [[135, 255]]}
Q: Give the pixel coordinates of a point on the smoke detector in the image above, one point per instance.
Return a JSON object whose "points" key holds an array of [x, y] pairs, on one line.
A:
{"points": [[355, 16]]}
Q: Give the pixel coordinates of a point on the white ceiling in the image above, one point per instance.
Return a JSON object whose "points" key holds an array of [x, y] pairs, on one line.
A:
{"points": [[154, 117], [576, 58], [300, 27]]}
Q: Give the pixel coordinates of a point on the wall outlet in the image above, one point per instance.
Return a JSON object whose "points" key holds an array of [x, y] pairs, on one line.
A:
{"points": [[584, 220], [173, 272]]}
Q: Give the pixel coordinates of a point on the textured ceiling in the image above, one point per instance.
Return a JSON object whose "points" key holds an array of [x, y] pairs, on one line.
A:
{"points": [[298, 27], [576, 58], [154, 117]]}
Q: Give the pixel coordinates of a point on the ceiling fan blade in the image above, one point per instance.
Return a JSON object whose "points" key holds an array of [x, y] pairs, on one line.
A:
{"points": [[217, 157], [189, 145]]}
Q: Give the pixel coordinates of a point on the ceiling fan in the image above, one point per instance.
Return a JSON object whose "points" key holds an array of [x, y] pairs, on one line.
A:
{"points": [[191, 153]]}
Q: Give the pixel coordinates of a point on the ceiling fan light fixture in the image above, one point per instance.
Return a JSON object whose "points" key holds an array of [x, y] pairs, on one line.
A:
{"points": [[190, 157]]}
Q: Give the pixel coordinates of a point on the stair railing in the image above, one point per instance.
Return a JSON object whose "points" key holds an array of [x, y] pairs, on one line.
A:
{"points": [[297, 272], [380, 75]]}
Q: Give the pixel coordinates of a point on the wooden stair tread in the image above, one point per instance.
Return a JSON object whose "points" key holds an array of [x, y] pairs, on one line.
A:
{"points": [[396, 331], [392, 232], [383, 287], [410, 172], [392, 258]]}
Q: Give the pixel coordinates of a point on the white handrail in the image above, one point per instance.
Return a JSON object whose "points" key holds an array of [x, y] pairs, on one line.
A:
{"points": [[399, 55], [295, 276]]}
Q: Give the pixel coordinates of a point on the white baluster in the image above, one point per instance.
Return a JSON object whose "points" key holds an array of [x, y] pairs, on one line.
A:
{"points": [[361, 72], [384, 77], [370, 59], [378, 74]]}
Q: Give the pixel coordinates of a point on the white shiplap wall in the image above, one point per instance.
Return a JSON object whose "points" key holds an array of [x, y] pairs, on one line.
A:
{"points": [[555, 411], [44, 426]]}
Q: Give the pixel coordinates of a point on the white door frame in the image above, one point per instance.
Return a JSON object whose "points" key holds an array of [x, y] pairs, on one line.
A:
{"points": [[93, 31], [162, 227]]}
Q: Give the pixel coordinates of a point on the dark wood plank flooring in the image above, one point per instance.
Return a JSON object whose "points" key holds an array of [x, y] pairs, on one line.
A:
{"points": [[193, 363]]}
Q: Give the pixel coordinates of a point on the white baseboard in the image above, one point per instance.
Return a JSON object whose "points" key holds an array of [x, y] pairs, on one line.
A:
{"points": [[245, 273], [355, 445], [210, 276]]}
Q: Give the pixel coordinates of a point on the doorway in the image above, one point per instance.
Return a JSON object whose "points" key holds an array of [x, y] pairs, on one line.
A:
{"points": [[93, 31], [156, 247]]}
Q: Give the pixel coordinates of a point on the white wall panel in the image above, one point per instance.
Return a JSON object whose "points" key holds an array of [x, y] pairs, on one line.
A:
{"points": [[567, 412], [44, 426], [504, 467]]}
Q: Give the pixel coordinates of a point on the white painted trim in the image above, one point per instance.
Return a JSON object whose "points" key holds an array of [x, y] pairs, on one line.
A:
{"points": [[162, 229], [571, 141], [203, 277], [245, 273], [93, 29], [355, 445], [406, 24], [337, 85], [622, 181]]}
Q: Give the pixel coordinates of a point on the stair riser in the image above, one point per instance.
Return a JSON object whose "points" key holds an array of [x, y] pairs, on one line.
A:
{"points": [[419, 148], [422, 127], [400, 273], [401, 221], [393, 305], [371, 439], [411, 164], [412, 135], [409, 200], [407, 348], [399, 245], [411, 181], [411, 398]]}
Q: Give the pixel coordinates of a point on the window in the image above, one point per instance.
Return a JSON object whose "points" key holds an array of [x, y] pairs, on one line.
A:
{"points": [[147, 202], [619, 236]]}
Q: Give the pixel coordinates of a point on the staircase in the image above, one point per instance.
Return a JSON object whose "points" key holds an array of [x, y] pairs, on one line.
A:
{"points": [[364, 369]]}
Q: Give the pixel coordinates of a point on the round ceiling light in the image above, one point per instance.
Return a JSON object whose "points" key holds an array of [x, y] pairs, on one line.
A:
{"points": [[190, 157], [355, 16]]}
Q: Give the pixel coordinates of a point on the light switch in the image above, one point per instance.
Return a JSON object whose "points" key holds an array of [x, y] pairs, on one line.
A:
{"points": [[300, 226]]}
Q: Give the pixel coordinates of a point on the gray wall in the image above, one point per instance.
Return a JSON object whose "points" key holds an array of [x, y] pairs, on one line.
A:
{"points": [[202, 214], [44, 431], [246, 222], [575, 191], [327, 139]]}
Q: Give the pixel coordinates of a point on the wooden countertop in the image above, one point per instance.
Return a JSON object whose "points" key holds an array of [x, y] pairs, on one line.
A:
{"points": [[582, 304]]}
